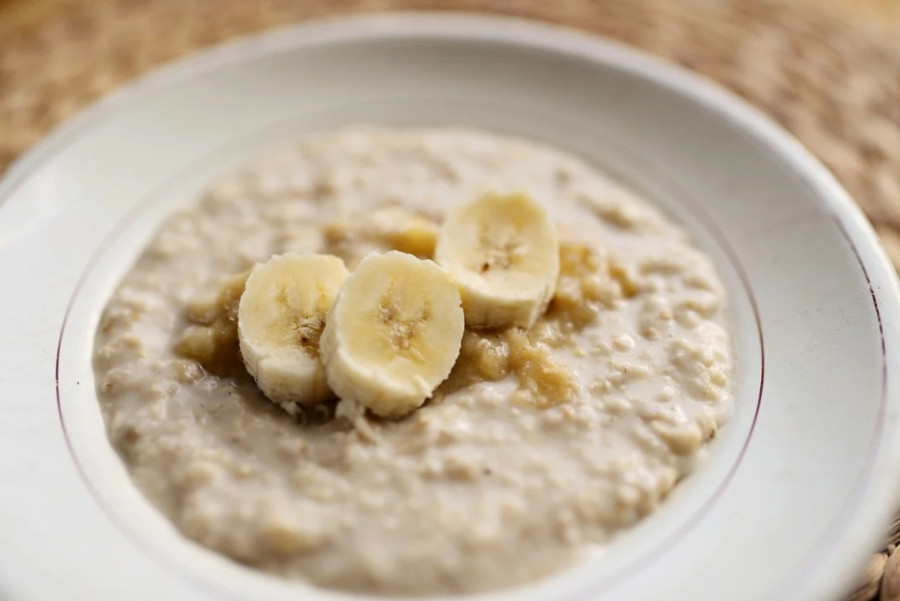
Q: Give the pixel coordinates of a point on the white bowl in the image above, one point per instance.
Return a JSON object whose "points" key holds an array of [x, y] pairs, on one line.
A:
{"points": [[798, 487]]}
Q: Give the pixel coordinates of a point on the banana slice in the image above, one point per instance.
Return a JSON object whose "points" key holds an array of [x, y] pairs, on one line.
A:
{"points": [[503, 252], [394, 333], [280, 319]]}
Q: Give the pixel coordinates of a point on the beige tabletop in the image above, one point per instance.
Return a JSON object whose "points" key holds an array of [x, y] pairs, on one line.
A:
{"points": [[827, 70]]}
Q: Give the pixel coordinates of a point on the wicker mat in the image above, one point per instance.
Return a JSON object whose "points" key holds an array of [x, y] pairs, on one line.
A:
{"points": [[833, 80]]}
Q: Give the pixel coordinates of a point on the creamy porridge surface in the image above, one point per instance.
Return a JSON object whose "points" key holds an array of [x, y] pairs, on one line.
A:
{"points": [[540, 445]]}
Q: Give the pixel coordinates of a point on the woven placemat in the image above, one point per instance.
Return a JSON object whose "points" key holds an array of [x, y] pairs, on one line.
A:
{"points": [[836, 86]]}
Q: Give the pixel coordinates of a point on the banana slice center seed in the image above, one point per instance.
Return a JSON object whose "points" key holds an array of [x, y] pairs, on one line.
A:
{"points": [[402, 326], [501, 251], [306, 323]]}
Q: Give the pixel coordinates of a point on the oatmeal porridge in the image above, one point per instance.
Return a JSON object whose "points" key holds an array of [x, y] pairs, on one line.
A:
{"points": [[548, 437]]}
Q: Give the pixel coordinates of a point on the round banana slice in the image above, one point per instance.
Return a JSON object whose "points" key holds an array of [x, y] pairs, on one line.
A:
{"points": [[394, 333], [280, 319], [503, 252]]}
